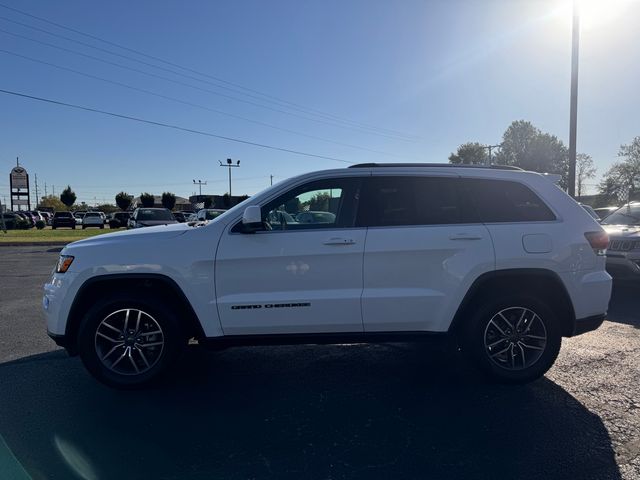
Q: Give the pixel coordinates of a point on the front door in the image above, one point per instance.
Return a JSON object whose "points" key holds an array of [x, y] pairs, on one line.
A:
{"points": [[303, 272]]}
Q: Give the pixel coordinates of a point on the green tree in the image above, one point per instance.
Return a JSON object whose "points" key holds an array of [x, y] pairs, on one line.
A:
{"points": [[319, 202], [123, 200], [585, 169], [147, 200], [68, 197], [470, 153], [51, 201], [106, 208], [527, 147], [621, 182], [168, 200], [226, 200], [208, 201]]}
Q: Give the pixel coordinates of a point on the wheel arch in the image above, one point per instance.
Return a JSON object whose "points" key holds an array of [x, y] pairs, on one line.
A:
{"points": [[157, 284], [536, 281]]}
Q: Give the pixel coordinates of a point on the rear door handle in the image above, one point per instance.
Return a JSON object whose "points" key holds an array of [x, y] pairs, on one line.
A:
{"points": [[339, 241], [465, 236]]}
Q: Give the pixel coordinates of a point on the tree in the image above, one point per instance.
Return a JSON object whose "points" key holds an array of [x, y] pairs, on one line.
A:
{"points": [[106, 208], [470, 153], [123, 200], [168, 200], [226, 200], [208, 201], [527, 147], [51, 201], [622, 181], [147, 200], [319, 202], [585, 169], [68, 197]]}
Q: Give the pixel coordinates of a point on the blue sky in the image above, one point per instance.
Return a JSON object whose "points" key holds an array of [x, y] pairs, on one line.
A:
{"points": [[439, 73]]}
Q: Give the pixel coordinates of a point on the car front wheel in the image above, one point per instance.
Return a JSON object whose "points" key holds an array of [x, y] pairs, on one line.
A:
{"points": [[514, 339], [127, 342]]}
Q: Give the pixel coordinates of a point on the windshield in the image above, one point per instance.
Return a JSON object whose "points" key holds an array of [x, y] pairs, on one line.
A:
{"points": [[627, 215], [154, 214]]}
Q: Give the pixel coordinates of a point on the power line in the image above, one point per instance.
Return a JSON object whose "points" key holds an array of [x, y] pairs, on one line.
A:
{"points": [[184, 102], [178, 82], [174, 127], [166, 62]]}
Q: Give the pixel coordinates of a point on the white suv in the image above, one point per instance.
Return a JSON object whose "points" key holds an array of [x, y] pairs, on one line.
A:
{"points": [[499, 258]]}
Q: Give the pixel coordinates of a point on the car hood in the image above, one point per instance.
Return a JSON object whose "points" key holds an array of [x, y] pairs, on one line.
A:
{"points": [[161, 232], [622, 231]]}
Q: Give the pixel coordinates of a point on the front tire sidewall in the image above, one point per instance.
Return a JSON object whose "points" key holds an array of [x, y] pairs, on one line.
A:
{"points": [[171, 350], [476, 347]]}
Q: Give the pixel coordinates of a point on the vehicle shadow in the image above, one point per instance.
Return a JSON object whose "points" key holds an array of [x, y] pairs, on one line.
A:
{"points": [[346, 411], [623, 307]]}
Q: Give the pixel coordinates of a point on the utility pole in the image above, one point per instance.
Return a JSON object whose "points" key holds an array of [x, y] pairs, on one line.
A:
{"points": [[200, 183], [45, 189], [230, 164], [573, 113], [54, 190], [36, 175], [271, 179], [490, 148]]}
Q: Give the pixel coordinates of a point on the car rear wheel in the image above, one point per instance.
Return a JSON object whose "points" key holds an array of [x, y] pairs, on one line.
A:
{"points": [[514, 339], [127, 342]]}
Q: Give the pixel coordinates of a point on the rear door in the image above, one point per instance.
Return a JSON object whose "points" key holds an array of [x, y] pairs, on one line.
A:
{"points": [[424, 249]]}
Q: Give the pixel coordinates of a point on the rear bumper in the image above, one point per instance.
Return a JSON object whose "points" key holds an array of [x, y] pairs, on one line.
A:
{"points": [[588, 324]]}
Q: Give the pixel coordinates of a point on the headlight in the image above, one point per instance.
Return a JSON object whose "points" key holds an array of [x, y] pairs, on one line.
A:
{"points": [[64, 262]]}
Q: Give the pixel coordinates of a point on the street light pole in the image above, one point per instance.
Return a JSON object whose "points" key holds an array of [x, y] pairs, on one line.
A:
{"points": [[200, 183], [573, 114], [490, 148], [230, 164]]}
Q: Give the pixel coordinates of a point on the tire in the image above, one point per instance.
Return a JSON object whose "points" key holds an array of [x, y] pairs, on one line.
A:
{"points": [[503, 353], [122, 366], [101, 227], [84, 226], [53, 227], [73, 227]]}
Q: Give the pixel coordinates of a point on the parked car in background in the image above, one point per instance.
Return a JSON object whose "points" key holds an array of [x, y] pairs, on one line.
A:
{"points": [[26, 218], [209, 214], [119, 219], [623, 254], [78, 216], [150, 217], [192, 217], [63, 220], [591, 211], [603, 212], [47, 216], [180, 217], [92, 219], [10, 220], [32, 218], [315, 217]]}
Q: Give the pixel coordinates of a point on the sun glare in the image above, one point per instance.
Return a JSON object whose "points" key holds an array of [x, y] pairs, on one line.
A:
{"points": [[593, 13]]}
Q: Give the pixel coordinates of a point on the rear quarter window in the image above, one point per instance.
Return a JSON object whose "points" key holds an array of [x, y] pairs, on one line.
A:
{"points": [[506, 201]]}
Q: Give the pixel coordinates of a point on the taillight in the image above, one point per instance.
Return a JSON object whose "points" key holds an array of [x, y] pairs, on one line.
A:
{"points": [[599, 241]]}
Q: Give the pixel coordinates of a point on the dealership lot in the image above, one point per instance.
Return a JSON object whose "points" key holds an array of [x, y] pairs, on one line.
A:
{"points": [[347, 411]]}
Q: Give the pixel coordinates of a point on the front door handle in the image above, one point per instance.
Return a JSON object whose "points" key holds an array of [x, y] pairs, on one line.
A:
{"points": [[339, 241], [465, 236]]}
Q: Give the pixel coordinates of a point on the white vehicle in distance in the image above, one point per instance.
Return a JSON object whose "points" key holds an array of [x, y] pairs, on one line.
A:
{"points": [[92, 219], [498, 258], [208, 214], [78, 216], [151, 217]]}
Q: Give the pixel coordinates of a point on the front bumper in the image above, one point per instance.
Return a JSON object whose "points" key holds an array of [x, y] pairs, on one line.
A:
{"points": [[588, 324]]}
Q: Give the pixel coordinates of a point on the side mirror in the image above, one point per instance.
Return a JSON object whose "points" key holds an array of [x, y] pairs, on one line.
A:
{"points": [[252, 219]]}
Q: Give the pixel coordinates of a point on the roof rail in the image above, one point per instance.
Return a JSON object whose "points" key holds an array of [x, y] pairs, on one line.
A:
{"points": [[383, 165]]}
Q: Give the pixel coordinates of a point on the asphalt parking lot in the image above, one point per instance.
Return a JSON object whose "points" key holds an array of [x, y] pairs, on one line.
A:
{"points": [[328, 412]]}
